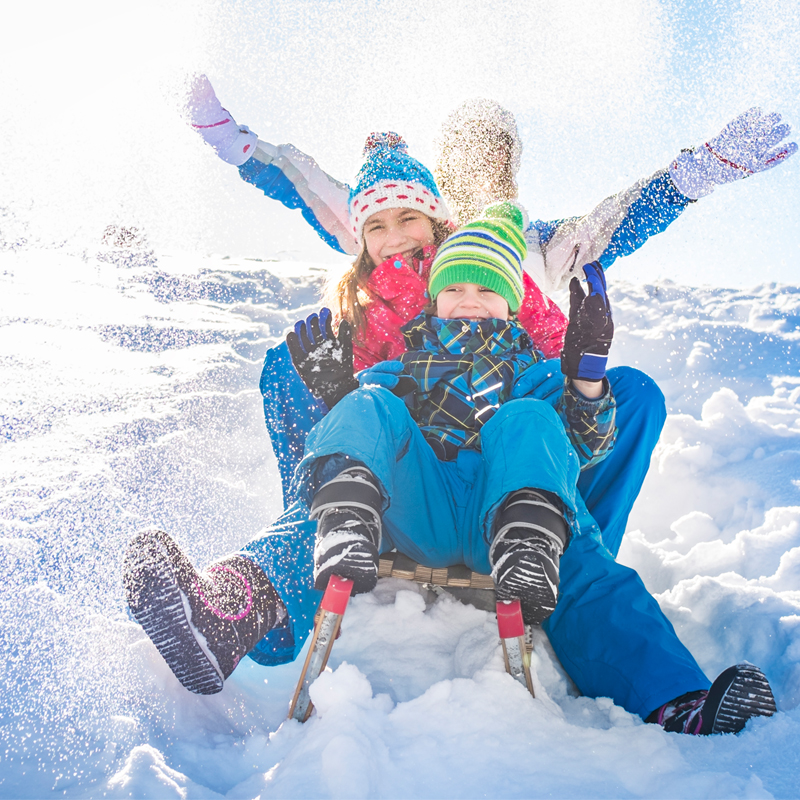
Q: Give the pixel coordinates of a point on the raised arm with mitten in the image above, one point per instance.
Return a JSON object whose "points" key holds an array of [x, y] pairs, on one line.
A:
{"points": [[233, 143], [751, 143]]}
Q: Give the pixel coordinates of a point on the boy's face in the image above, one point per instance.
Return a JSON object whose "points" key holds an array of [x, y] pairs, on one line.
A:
{"points": [[470, 301]]}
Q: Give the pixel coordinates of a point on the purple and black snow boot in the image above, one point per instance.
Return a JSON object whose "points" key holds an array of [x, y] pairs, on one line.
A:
{"points": [[740, 693], [531, 537], [348, 514], [202, 623]]}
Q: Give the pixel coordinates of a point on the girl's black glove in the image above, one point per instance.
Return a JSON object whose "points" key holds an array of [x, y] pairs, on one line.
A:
{"points": [[323, 360], [591, 328]]}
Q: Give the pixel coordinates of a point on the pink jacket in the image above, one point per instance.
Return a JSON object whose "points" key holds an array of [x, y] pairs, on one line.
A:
{"points": [[398, 292]]}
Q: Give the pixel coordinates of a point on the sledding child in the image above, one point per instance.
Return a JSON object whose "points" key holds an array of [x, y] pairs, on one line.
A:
{"points": [[459, 470]]}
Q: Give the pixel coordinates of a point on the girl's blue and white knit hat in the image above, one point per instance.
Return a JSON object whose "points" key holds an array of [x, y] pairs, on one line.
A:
{"points": [[390, 178]]}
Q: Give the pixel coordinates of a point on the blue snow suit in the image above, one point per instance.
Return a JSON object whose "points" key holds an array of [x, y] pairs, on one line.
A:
{"points": [[449, 453], [607, 630]]}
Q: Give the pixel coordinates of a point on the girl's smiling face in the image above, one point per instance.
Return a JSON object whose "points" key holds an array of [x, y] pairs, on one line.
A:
{"points": [[470, 301], [397, 231]]}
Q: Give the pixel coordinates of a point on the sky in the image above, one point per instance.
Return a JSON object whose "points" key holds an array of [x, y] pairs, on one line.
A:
{"points": [[604, 93]]}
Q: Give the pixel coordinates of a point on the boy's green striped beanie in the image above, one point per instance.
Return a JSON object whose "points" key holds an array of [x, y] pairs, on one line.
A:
{"points": [[488, 251]]}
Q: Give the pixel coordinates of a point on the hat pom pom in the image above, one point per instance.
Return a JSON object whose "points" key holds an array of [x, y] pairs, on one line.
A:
{"points": [[389, 140], [506, 211]]}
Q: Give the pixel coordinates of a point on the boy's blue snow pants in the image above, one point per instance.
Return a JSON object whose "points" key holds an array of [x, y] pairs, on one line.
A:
{"points": [[607, 630], [440, 513]]}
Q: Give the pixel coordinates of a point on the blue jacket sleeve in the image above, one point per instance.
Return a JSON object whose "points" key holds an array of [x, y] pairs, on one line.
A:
{"points": [[294, 179]]}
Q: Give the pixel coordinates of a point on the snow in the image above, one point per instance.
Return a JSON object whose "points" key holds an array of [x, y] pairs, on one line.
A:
{"points": [[130, 398]]}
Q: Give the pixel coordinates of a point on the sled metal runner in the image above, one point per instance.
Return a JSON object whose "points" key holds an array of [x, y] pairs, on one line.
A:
{"points": [[512, 635], [331, 611], [516, 651]]}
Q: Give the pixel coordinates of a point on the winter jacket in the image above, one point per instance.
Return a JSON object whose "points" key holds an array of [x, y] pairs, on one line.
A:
{"points": [[618, 226], [398, 293], [466, 369]]}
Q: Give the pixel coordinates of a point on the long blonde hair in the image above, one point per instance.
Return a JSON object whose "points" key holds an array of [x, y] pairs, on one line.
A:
{"points": [[347, 295]]}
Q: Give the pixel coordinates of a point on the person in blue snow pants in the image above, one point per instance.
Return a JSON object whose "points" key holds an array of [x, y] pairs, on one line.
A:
{"points": [[656, 665], [470, 467], [607, 630]]}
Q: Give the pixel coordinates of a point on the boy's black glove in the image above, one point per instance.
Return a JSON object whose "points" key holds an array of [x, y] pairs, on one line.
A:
{"points": [[323, 360], [591, 328]]}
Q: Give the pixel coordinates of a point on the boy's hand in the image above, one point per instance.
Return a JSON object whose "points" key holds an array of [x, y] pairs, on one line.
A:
{"points": [[541, 381], [590, 329], [389, 375], [323, 360]]}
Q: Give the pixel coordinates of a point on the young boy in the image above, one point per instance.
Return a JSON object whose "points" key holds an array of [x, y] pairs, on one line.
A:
{"points": [[465, 469]]}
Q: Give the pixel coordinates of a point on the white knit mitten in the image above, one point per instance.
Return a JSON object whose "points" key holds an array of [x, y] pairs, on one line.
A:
{"points": [[750, 143], [233, 143]]}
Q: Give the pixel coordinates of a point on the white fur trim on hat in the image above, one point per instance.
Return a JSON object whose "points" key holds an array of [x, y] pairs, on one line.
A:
{"points": [[394, 194]]}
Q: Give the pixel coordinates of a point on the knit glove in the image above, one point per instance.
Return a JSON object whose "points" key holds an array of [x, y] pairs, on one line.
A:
{"points": [[590, 329], [389, 375], [323, 360], [541, 381], [751, 143], [233, 143]]}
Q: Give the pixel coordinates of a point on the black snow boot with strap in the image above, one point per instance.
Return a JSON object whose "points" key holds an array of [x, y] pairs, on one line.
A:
{"points": [[202, 623], [348, 514], [531, 536]]}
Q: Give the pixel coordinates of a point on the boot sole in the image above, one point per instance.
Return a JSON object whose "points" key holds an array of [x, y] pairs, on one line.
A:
{"points": [[528, 581], [742, 692], [161, 608], [354, 559]]}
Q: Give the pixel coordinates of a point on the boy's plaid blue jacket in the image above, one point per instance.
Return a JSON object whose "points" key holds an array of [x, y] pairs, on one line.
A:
{"points": [[466, 369]]}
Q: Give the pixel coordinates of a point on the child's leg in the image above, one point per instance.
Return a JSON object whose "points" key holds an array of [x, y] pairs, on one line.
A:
{"points": [[611, 488], [285, 552], [290, 411], [612, 637], [524, 447], [526, 505], [371, 427]]}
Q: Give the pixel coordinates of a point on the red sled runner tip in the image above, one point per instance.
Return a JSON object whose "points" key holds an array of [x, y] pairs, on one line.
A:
{"points": [[509, 619], [336, 595], [331, 611], [512, 635]]}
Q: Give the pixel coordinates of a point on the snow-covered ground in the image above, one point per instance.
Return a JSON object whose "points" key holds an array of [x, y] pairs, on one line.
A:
{"points": [[129, 398]]}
